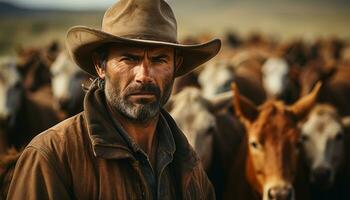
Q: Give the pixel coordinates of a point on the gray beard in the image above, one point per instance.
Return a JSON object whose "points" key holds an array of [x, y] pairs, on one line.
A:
{"points": [[142, 111]]}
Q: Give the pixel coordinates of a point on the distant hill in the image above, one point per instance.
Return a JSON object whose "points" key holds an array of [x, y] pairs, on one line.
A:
{"points": [[6, 8], [181, 6], [24, 26]]}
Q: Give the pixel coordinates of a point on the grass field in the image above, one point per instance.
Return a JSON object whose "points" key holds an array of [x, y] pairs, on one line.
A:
{"points": [[281, 19]]}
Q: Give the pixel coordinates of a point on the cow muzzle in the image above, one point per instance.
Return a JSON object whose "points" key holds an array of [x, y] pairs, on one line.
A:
{"points": [[321, 177], [280, 193]]}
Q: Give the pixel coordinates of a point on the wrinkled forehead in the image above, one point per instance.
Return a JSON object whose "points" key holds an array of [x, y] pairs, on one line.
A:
{"points": [[119, 49]]}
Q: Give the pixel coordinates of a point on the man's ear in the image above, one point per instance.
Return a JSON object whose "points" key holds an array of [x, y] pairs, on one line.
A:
{"points": [[99, 69], [178, 61]]}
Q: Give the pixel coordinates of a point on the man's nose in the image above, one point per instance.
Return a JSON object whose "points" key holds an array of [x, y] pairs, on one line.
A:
{"points": [[143, 74]]}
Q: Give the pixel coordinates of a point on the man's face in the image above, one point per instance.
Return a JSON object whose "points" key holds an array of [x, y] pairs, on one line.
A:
{"points": [[138, 80]]}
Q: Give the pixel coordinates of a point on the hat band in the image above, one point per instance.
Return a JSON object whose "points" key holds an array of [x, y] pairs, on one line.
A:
{"points": [[149, 37]]}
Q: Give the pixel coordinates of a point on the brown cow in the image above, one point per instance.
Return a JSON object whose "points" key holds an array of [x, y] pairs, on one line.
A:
{"points": [[336, 83], [248, 75], [34, 65], [22, 116], [268, 163]]}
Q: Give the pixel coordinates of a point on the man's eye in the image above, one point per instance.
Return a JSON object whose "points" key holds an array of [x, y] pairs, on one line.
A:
{"points": [[130, 59], [159, 60]]}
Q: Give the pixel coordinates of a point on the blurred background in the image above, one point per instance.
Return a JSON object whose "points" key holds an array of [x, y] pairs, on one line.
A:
{"points": [[30, 22], [272, 50]]}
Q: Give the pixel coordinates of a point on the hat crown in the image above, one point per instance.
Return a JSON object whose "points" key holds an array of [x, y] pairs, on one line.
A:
{"points": [[141, 19]]}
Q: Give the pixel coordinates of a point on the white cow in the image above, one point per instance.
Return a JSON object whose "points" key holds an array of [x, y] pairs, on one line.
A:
{"points": [[10, 89], [324, 142], [275, 76], [67, 80], [216, 78], [195, 115]]}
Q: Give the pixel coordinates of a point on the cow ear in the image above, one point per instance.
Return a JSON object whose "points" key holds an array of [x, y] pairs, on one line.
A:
{"points": [[304, 105], [328, 70], [220, 102], [244, 109]]}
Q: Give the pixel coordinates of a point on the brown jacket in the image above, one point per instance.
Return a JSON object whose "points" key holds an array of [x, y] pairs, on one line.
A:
{"points": [[84, 158]]}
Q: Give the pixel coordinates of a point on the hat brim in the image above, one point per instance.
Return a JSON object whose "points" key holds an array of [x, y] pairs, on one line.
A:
{"points": [[81, 42]]}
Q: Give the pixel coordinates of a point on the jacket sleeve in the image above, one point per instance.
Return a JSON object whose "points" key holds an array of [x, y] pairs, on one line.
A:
{"points": [[204, 189], [207, 187], [35, 177]]}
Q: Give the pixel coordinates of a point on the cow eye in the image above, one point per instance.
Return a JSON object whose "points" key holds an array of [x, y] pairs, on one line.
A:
{"points": [[299, 144], [210, 130], [254, 144], [304, 138], [17, 85], [339, 136]]}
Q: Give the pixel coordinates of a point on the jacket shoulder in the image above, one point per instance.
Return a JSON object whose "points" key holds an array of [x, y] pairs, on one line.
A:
{"points": [[62, 137]]}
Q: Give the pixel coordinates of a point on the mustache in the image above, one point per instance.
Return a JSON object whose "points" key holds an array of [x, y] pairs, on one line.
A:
{"points": [[144, 88]]}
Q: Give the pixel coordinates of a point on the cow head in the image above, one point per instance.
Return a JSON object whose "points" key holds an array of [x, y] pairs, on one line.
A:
{"points": [[323, 141], [321, 69], [11, 91], [67, 80], [195, 116], [275, 79], [34, 64], [216, 78], [272, 143]]}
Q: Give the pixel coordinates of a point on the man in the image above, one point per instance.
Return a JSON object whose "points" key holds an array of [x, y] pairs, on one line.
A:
{"points": [[123, 145]]}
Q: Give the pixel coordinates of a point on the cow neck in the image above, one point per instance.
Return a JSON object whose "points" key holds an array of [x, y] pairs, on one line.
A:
{"points": [[14, 121], [343, 174], [17, 125]]}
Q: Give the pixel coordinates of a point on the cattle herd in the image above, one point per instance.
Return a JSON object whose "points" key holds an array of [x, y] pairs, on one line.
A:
{"points": [[268, 118]]}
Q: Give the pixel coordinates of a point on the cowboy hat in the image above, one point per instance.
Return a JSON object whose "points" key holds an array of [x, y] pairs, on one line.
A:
{"points": [[142, 22]]}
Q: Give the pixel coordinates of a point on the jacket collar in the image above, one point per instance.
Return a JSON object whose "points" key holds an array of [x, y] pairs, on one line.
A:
{"points": [[107, 141]]}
